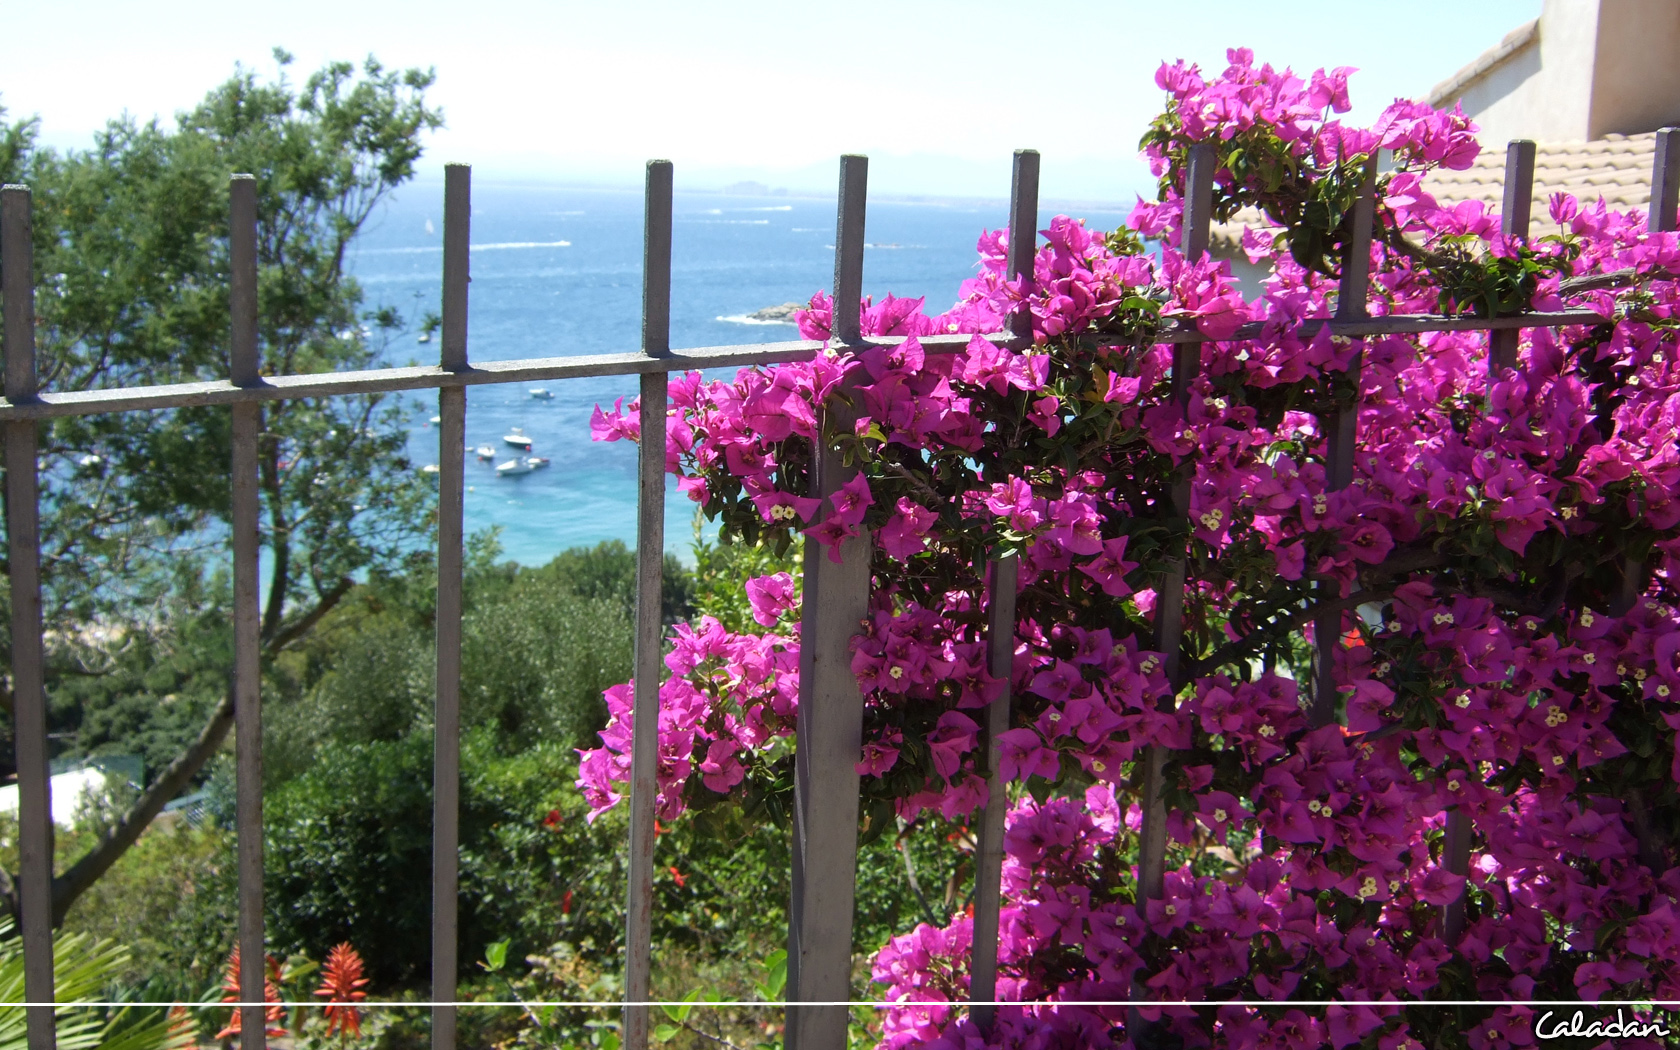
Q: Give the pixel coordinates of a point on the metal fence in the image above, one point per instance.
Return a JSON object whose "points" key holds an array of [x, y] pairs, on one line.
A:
{"points": [[829, 729]]}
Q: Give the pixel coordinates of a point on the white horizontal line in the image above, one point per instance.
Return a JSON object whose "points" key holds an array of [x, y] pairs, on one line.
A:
{"points": [[615, 1004]]}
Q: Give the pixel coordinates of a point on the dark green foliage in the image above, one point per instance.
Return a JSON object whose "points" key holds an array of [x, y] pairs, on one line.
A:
{"points": [[146, 688], [348, 856], [131, 278], [350, 761], [608, 571], [131, 260], [538, 649], [722, 568]]}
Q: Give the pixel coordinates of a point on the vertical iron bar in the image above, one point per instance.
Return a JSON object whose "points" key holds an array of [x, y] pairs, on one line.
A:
{"points": [[1518, 209], [1665, 181], [1342, 430], [656, 260], [1665, 194], [1000, 641], [1169, 599], [1023, 228], [446, 742], [23, 535], [650, 566], [848, 248], [1455, 857], [244, 369], [830, 720], [1502, 355], [988, 877]]}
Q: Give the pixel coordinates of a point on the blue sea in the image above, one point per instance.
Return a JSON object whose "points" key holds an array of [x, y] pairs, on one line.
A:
{"points": [[557, 272]]}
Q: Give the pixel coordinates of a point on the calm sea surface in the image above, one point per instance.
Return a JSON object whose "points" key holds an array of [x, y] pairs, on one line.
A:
{"points": [[557, 272]]}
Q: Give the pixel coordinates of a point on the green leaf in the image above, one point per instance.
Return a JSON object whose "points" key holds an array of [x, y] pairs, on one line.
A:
{"points": [[775, 973], [689, 1000], [666, 1032], [495, 955]]}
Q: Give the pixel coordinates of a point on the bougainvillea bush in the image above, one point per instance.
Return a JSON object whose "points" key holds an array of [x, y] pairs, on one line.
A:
{"points": [[1503, 565]]}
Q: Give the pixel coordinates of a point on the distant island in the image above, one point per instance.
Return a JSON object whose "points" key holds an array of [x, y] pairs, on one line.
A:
{"points": [[782, 313], [754, 189]]}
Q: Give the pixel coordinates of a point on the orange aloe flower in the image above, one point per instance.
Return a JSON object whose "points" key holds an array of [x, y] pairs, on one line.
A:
{"points": [[275, 1015], [341, 985]]}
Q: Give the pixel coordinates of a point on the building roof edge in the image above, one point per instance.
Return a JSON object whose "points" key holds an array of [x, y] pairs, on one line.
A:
{"points": [[1517, 40]]}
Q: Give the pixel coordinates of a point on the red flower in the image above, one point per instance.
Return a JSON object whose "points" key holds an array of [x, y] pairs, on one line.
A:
{"points": [[678, 877], [275, 1015], [566, 903], [552, 821], [341, 984]]}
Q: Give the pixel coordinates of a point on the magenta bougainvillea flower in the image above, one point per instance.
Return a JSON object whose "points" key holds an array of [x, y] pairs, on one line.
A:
{"points": [[1502, 566]]}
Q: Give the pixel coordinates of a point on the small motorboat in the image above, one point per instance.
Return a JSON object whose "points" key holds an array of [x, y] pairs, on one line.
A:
{"points": [[541, 393], [425, 337], [518, 439], [486, 451], [513, 467], [435, 420], [537, 461], [430, 468]]}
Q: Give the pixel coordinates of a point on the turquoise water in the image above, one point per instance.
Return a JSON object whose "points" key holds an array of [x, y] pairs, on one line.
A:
{"points": [[557, 272]]}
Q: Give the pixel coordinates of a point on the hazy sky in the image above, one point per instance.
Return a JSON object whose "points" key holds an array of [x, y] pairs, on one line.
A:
{"points": [[938, 93]]}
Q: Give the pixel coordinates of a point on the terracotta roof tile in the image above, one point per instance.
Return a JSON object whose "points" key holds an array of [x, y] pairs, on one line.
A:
{"points": [[1616, 167]]}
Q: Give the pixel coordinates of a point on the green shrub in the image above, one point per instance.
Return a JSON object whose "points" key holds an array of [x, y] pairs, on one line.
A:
{"points": [[535, 661], [171, 901], [349, 856]]}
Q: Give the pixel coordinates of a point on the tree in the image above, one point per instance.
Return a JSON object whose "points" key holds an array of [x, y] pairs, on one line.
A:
{"points": [[131, 256]]}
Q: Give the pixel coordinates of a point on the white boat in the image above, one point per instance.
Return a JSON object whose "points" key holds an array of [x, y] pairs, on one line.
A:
{"points": [[486, 451], [430, 468], [518, 439], [541, 393], [522, 465], [435, 420], [537, 461], [425, 337]]}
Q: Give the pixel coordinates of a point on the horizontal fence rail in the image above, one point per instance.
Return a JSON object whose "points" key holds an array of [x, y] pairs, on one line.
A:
{"points": [[836, 593], [431, 377]]}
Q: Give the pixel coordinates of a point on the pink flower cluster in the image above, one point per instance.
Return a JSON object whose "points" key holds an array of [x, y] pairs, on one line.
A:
{"points": [[729, 696], [1476, 559]]}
